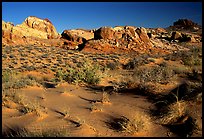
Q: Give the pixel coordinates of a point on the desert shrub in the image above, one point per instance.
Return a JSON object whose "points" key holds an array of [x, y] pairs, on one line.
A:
{"points": [[11, 79], [175, 111], [85, 73], [133, 63], [137, 123], [181, 70], [7, 95], [193, 57], [28, 107], [112, 66], [158, 74]]}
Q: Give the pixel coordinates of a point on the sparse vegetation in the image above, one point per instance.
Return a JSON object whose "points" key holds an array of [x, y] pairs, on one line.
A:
{"points": [[158, 74], [23, 132], [109, 76], [138, 123], [175, 111], [95, 107], [134, 63], [105, 98], [86, 73], [11, 79]]}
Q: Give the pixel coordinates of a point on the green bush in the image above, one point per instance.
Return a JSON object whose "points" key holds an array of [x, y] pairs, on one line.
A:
{"points": [[85, 73]]}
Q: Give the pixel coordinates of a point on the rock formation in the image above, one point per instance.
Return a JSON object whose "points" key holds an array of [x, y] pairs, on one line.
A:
{"points": [[36, 31], [127, 37], [31, 29], [78, 36], [184, 22]]}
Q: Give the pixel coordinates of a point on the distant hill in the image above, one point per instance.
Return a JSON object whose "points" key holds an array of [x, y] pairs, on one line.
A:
{"points": [[184, 25]]}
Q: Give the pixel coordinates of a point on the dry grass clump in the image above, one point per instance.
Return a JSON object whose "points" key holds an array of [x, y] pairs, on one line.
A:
{"points": [[29, 107], [135, 62], [95, 107], [137, 123], [105, 98], [23, 132], [65, 111], [175, 111], [25, 106]]}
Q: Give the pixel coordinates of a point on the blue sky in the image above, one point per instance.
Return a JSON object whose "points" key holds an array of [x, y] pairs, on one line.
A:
{"points": [[90, 15]]}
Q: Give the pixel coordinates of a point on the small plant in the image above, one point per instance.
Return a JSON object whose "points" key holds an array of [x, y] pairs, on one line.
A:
{"points": [[84, 73], [112, 66], [158, 74], [28, 107], [133, 63], [94, 107], [105, 98], [79, 122], [65, 111], [174, 111], [15, 80], [137, 123]]}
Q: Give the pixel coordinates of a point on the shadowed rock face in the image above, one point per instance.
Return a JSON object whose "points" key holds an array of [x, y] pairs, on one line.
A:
{"points": [[104, 33], [184, 22]]}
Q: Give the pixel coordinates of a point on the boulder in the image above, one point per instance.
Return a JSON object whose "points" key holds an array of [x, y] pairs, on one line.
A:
{"points": [[176, 35], [104, 33], [79, 36], [41, 25]]}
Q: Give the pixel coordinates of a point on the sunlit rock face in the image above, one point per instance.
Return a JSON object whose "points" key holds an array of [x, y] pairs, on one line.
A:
{"points": [[32, 27]]}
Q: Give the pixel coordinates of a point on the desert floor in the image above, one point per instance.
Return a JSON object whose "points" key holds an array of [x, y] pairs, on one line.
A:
{"points": [[125, 102]]}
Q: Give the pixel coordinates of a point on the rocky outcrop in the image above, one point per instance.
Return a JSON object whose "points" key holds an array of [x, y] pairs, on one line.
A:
{"points": [[184, 23], [36, 31], [123, 38], [104, 33], [79, 36], [41, 25], [176, 35], [31, 29]]}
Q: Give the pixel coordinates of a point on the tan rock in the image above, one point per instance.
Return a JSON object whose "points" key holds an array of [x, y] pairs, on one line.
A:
{"points": [[104, 33], [176, 35], [43, 26], [77, 35], [26, 33]]}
